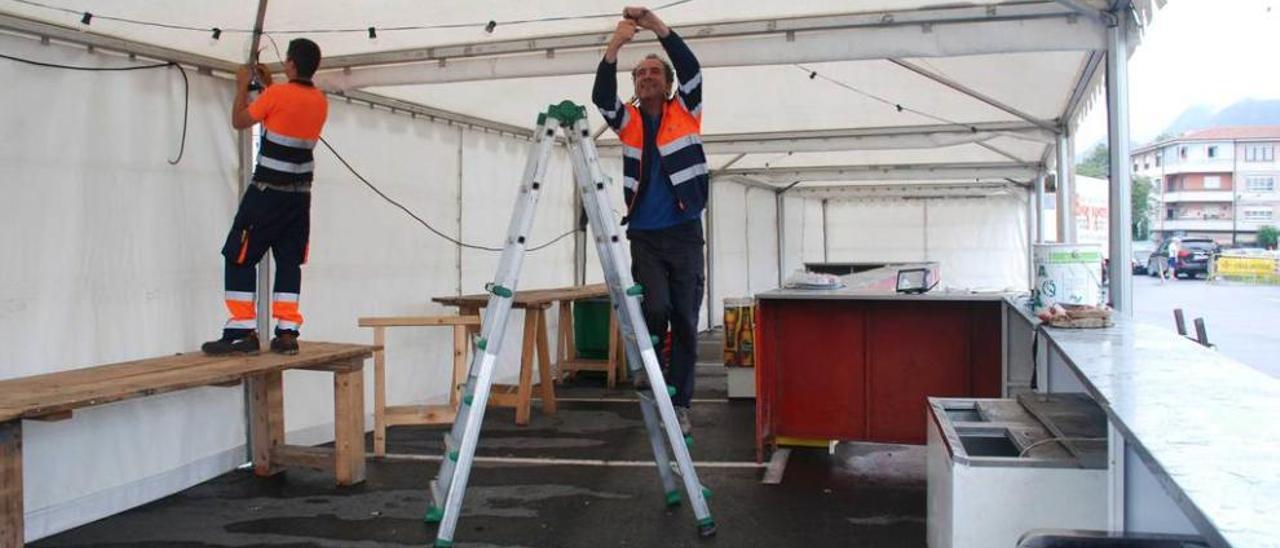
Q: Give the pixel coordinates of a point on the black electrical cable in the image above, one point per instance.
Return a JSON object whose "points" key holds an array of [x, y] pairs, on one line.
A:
{"points": [[487, 24], [456, 242], [379, 192], [186, 88]]}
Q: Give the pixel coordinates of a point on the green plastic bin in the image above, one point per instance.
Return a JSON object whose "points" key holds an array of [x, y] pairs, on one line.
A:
{"points": [[591, 328]]}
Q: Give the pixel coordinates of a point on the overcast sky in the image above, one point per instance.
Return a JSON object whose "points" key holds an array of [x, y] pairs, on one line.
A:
{"points": [[1196, 52]]}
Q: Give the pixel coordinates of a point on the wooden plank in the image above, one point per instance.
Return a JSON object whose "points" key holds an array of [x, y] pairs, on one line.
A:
{"points": [[316, 458], [379, 392], [530, 298], [777, 466], [11, 513], [418, 321], [504, 395], [18, 393], [611, 375], [228, 384], [44, 394], [546, 383], [526, 367], [584, 365], [342, 366], [459, 378], [266, 423], [53, 417], [564, 337], [348, 409], [404, 415]]}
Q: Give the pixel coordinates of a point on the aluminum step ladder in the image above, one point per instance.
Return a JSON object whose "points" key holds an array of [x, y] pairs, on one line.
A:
{"points": [[449, 487]]}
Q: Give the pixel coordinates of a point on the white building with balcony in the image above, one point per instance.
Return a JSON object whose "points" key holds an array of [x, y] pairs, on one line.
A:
{"points": [[1220, 183]]}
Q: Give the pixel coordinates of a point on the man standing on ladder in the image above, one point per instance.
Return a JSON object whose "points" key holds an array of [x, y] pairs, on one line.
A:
{"points": [[665, 186], [275, 212]]}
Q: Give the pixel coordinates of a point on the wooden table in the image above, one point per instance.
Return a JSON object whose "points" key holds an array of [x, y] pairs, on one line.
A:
{"points": [[535, 343], [55, 397]]}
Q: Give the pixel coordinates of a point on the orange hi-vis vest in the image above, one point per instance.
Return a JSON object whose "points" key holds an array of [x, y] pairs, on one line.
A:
{"points": [[680, 146]]}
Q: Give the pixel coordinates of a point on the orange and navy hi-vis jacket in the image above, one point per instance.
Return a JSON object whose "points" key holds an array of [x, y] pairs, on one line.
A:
{"points": [[679, 135], [292, 116]]}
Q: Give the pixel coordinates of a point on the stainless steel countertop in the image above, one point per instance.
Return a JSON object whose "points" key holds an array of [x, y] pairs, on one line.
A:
{"points": [[1205, 424]]}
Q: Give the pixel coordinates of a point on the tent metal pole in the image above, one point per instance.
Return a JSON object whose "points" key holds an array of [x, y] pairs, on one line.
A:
{"points": [[1120, 234]]}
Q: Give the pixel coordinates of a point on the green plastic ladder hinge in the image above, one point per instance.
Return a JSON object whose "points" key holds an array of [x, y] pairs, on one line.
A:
{"points": [[482, 343], [671, 391], [635, 290], [500, 291], [453, 456], [567, 112], [468, 399]]}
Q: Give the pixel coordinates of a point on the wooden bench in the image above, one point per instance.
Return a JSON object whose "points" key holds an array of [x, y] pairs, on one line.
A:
{"points": [[56, 396], [536, 346], [385, 416]]}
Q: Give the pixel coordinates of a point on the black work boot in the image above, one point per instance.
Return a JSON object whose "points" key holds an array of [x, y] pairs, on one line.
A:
{"points": [[230, 346], [285, 342]]}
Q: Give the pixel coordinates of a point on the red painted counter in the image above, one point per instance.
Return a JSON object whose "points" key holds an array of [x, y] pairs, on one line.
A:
{"points": [[845, 366]]}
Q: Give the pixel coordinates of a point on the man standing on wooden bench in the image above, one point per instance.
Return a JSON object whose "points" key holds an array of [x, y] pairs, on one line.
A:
{"points": [[275, 212]]}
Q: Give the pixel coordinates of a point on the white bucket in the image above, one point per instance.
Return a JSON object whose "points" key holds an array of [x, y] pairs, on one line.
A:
{"points": [[1067, 274]]}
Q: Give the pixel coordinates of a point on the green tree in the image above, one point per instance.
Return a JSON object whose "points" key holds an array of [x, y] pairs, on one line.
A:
{"points": [[1267, 236], [1140, 206], [1097, 164]]}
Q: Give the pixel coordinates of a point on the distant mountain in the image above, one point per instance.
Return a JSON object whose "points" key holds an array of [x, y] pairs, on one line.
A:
{"points": [[1247, 112]]}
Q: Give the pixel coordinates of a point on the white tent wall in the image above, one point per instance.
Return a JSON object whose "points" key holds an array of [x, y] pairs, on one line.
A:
{"points": [[813, 232], [492, 166], [746, 243], [113, 256], [762, 240], [972, 241], [969, 238], [875, 230], [367, 258], [794, 229]]}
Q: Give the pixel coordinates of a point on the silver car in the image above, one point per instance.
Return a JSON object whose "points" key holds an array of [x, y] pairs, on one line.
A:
{"points": [[1142, 251]]}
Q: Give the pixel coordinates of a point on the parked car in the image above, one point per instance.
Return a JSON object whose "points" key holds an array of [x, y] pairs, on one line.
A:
{"points": [[1142, 251], [1193, 257]]}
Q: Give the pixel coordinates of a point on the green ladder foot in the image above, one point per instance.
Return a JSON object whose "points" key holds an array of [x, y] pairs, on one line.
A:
{"points": [[706, 527], [434, 515], [673, 498], [442, 543]]}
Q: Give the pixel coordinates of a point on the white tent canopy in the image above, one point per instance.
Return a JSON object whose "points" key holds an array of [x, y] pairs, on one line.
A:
{"points": [[879, 130]]}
